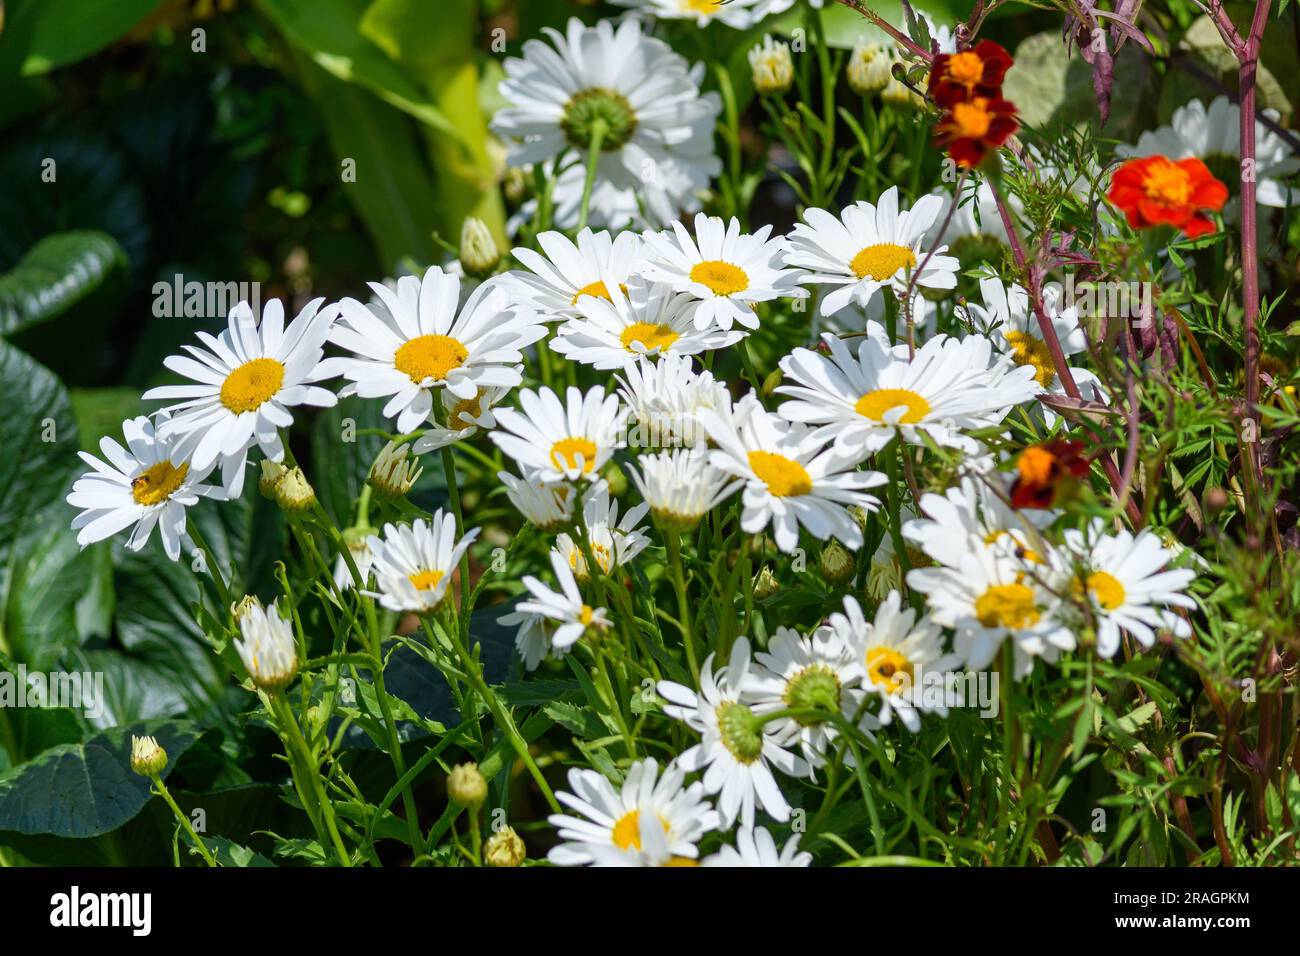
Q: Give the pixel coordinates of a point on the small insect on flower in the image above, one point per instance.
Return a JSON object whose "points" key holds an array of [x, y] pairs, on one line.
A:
{"points": [[961, 77], [971, 129], [1047, 474], [1156, 191]]}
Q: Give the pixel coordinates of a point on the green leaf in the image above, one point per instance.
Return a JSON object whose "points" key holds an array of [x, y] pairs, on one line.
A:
{"points": [[82, 790], [44, 34], [56, 274]]}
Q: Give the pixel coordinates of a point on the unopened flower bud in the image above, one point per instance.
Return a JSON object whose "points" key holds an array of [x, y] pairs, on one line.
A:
{"points": [[898, 94], [1216, 499], [869, 68], [504, 848], [615, 479], [394, 474], [771, 382], [478, 250], [246, 604], [466, 786], [148, 759], [836, 563], [515, 185], [772, 68], [293, 492], [269, 480], [765, 583], [267, 649]]}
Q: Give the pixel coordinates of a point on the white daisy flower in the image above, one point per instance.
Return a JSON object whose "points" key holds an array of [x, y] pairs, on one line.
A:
{"points": [[564, 608], [737, 14], [268, 648], [147, 484], [248, 379], [986, 595], [949, 385], [610, 206], [1123, 577], [791, 477], [613, 543], [755, 847], [533, 637], [807, 673], [568, 273], [869, 248], [890, 656], [413, 564], [562, 442], [727, 271], [362, 557], [736, 751], [416, 341], [656, 129], [977, 507], [462, 418], [548, 505], [611, 821], [664, 399], [681, 487]]}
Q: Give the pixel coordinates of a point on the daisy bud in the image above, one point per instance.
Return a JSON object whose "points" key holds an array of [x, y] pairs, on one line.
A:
{"points": [[466, 786], [478, 250], [771, 65], [869, 68], [836, 563], [515, 185], [771, 382], [148, 759], [615, 479], [1216, 499], [393, 474], [248, 603], [293, 492], [272, 472], [765, 583], [898, 94], [268, 650], [504, 848]]}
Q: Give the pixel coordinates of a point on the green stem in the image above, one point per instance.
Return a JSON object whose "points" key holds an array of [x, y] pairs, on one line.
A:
{"points": [[300, 753], [593, 160], [673, 541], [160, 788]]}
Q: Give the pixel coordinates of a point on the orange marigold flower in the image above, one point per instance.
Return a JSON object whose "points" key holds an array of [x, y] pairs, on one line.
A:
{"points": [[1155, 190], [969, 130], [1046, 473], [955, 77]]}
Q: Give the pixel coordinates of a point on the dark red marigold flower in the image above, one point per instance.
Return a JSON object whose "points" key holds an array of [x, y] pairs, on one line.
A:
{"points": [[1155, 191], [968, 131], [1046, 473], [955, 77]]}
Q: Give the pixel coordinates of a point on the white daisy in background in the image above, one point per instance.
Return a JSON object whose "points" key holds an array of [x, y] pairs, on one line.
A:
{"points": [[147, 484], [613, 543], [656, 129], [737, 14], [736, 752], [569, 272], [891, 655], [564, 609], [869, 248], [413, 564], [462, 418], [792, 478], [804, 673], [681, 487], [651, 321], [362, 557], [248, 379], [418, 341], [727, 271], [885, 570], [1122, 575], [610, 206], [548, 505], [977, 506], [986, 595], [756, 847], [949, 385], [610, 820], [854, 321], [1213, 135], [533, 637], [570, 442], [266, 646], [665, 397]]}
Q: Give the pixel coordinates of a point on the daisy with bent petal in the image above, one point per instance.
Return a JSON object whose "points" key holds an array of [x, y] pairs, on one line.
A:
{"points": [[613, 543], [869, 248], [611, 821], [681, 487], [650, 321], [548, 505], [665, 398], [756, 847], [533, 637], [1125, 582], [413, 564], [791, 478], [462, 418], [247, 380], [417, 341], [568, 273], [569, 442], [947, 386], [726, 271], [737, 750], [564, 609], [148, 484]]}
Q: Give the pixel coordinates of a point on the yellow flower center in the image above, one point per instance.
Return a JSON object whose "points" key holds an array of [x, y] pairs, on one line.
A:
{"points": [[650, 336], [681, 861], [598, 289], [566, 451], [877, 402], [701, 6], [578, 560], [881, 261], [426, 580], [586, 614], [254, 382], [1167, 183], [430, 356], [1007, 605], [783, 476], [722, 278], [465, 411], [1028, 350], [965, 68], [627, 831], [1105, 589], [158, 482], [971, 120], [888, 668]]}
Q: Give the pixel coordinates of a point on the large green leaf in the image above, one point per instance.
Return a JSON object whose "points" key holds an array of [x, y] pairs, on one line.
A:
{"points": [[82, 790], [40, 35], [54, 275]]}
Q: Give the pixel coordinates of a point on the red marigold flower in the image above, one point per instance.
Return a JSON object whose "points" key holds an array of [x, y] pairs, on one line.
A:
{"points": [[955, 77], [971, 129], [1155, 191], [1046, 473]]}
